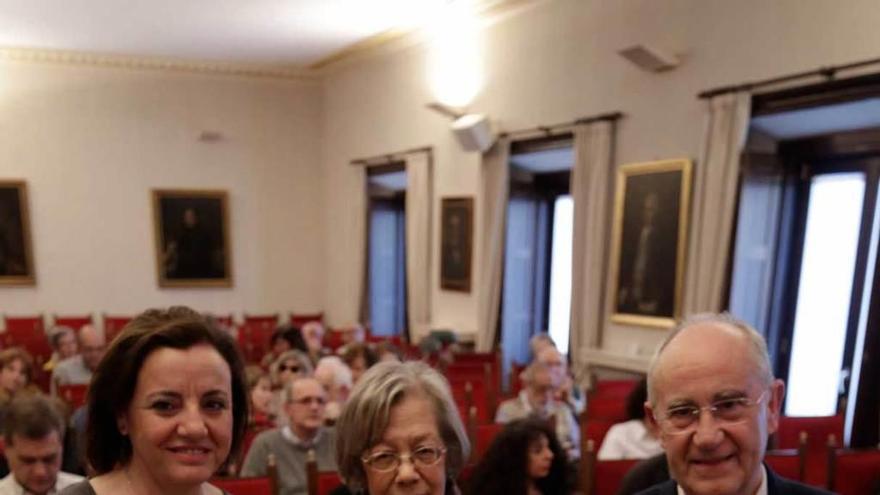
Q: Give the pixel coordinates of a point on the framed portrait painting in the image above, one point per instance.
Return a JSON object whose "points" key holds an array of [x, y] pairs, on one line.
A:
{"points": [[456, 241], [16, 254], [192, 238], [649, 242]]}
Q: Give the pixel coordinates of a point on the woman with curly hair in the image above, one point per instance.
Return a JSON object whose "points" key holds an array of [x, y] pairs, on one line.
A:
{"points": [[524, 459]]}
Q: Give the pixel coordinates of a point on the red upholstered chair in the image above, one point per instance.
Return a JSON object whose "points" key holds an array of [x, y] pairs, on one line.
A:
{"points": [[788, 463], [613, 388], [595, 430], [489, 382], [224, 320], [483, 437], [601, 477], [254, 339], [300, 319], [73, 395], [467, 394], [74, 322], [29, 333], [270, 320], [818, 430], [608, 408], [320, 482], [259, 485], [113, 325], [854, 472]]}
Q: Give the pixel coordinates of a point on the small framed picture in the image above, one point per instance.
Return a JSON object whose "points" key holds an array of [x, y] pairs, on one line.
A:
{"points": [[192, 238], [649, 242], [456, 240], [16, 253]]}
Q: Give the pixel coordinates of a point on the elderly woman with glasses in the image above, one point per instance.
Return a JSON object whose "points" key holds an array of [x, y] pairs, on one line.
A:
{"points": [[400, 432]]}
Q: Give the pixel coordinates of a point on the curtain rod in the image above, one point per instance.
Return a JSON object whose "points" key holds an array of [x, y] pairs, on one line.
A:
{"points": [[389, 157], [827, 72], [548, 130]]}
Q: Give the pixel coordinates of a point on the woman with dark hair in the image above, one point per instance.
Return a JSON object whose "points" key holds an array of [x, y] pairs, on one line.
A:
{"points": [[168, 406], [284, 338], [524, 459], [632, 439]]}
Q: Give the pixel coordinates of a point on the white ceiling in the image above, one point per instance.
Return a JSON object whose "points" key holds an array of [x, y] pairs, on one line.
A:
{"points": [[289, 32]]}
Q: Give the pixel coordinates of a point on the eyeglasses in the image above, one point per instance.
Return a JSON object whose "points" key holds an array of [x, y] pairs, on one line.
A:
{"points": [[308, 400], [383, 462], [285, 367], [684, 419]]}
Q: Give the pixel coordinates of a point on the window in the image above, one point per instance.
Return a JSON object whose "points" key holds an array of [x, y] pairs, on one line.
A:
{"points": [[536, 292], [386, 268]]}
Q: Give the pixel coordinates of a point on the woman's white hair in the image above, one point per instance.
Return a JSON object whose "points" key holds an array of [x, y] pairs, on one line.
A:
{"points": [[366, 414]]}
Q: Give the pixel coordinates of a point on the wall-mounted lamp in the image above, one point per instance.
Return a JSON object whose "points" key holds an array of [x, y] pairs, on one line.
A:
{"points": [[472, 130]]}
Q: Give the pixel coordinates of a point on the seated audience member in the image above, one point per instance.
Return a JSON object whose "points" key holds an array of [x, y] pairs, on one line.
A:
{"points": [[525, 458], [386, 351], [645, 474], [350, 334], [16, 368], [359, 358], [714, 401], [536, 399], [305, 404], [289, 366], [77, 370], [313, 335], [260, 393], [567, 391], [63, 342], [335, 377], [632, 439], [34, 435], [285, 338], [539, 342]]}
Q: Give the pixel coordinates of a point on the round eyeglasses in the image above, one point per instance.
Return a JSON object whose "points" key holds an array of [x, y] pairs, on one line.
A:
{"points": [[383, 462], [684, 419]]}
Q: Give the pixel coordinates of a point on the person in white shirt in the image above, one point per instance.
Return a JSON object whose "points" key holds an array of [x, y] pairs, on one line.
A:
{"points": [[631, 439], [33, 431]]}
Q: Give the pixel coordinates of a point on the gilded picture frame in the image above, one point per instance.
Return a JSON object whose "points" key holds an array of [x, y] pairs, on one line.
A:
{"points": [[649, 242], [456, 243], [16, 249], [192, 238]]}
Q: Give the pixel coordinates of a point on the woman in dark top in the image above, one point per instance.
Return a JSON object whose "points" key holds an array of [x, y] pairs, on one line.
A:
{"points": [[524, 459], [168, 406]]}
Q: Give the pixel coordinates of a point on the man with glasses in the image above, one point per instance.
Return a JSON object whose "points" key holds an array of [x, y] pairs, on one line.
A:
{"points": [[305, 405], [713, 399]]}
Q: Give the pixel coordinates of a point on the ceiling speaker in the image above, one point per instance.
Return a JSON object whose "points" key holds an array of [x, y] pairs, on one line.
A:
{"points": [[474, 133], [650, 58]]}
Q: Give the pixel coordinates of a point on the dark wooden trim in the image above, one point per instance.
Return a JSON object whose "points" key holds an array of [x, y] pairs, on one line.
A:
{"points": [[835, 147], [815, 95]]}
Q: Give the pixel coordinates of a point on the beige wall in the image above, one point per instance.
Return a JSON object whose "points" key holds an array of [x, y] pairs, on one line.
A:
{"points": [[553, 63], [91, 143]]}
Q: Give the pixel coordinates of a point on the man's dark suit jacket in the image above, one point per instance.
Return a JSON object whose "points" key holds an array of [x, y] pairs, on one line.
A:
{"points": [[776, 485]]}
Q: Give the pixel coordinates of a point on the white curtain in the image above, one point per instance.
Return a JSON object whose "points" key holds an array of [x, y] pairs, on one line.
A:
{"points": [[352, 293], [591, 177], [419, 199], [494, 192], [714, 201]]}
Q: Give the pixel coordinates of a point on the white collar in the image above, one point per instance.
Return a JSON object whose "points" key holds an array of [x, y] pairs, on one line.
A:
{"points": [[290, 436]]}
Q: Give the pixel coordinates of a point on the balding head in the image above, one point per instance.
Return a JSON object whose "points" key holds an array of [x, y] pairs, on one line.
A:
{"points": [[92, 346], [706, 331]]}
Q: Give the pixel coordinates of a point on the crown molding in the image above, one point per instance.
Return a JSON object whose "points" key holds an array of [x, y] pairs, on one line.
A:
{"points": [[490, 10], [137, 62]]}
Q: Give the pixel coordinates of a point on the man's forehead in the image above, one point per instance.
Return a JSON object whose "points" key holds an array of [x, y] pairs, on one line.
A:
{"points": [[46, 445], [306, 387]]}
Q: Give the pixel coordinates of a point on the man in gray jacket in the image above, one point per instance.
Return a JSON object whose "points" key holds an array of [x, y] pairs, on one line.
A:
{"points": [[305, 404]]}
